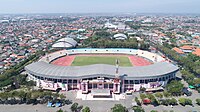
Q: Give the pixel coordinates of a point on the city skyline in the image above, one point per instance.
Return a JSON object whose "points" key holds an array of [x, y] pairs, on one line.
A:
{"points": [[103, 6]]}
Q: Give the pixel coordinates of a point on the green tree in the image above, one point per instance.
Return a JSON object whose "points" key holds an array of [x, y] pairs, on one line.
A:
{"points": [[75, 107], [60, 110], [185, 101], [62, 96], [137, 101], [173, 101], [188, 101], [86, 109], [138, 109], [143, 96], [164, 102], [182, 101], [142, 89], [4, 95], [119, 108], [22, 95], [198, 101], [175, 87], [166, 94], [159, 95], [154, 111]]}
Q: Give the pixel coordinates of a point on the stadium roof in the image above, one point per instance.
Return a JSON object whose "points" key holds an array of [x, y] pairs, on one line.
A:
{"points": [[62, 44], [54, 71], [120, 36], [65, 42]]}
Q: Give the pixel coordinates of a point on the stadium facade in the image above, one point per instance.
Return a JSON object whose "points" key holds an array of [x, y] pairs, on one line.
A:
{"points": [[103, 77]]}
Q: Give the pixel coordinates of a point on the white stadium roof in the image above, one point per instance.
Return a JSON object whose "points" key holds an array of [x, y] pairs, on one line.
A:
{"points": [[62, 44], [54, 71], [65, 42], [120, 36]]}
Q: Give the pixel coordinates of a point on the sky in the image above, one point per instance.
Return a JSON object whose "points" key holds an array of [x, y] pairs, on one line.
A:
{"points": [[99, 6]]}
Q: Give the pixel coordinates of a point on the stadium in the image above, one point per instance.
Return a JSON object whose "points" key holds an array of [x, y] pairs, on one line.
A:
{"points": [[102, 71]]}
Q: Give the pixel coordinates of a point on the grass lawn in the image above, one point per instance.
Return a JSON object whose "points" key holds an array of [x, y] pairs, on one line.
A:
{"points": [[111, 60]]}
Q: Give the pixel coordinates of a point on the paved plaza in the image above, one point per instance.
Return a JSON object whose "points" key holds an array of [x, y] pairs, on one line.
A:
{"points": [[97, 105], [90, 97]]}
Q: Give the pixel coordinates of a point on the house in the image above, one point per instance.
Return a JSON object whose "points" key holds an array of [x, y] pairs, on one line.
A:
{"points": [[196, 52], [178, 51]]}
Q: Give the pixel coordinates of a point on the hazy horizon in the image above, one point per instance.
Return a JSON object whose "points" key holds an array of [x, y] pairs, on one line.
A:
{"points": [[103, 6]]}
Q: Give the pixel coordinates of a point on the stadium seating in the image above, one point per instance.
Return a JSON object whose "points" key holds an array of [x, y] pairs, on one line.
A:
{"points": [[141, 53]]}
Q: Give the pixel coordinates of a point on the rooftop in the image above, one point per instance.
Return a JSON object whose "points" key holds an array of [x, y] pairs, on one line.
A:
{"points": [[178, 50], [197, 52], [54, 71]]}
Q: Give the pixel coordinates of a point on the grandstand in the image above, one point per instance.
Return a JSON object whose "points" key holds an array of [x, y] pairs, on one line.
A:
{"points": [[115, 79]]}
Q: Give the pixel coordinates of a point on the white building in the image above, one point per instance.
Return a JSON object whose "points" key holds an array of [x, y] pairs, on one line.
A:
{"points": [[65, 43], [120, 36]]}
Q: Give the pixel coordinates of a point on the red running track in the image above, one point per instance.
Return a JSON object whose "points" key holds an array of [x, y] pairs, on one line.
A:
{"points": [[139, 61], [64, 61], [67, 60]]}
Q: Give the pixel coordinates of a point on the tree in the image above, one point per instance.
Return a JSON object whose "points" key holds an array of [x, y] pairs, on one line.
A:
{"points": [[142, 89], [182, 101], [137, 101], [22, 95], [143, 96], [159, 95], [165, 102], [198, 101], [4, 95], [175, 87], [154, 111], [173, 101], [75, 107], [185, 101], [188, 101], [62, 96], [102, 34], [8, 75], [60, 110], [150, 96], [119, 108], [166, 94], [155, 102], [138, 109], [86, 109]]}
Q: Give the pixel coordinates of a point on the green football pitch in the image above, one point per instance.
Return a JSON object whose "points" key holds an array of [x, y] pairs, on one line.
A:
{"points": [[111, 60]]}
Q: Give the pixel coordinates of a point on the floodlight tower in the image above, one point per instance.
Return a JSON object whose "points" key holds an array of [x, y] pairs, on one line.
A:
{"points": [[116, 88], [117, 67], [47, 55]]}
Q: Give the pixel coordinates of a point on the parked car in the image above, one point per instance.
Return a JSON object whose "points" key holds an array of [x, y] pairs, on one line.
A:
{"points": [[186, 91]]}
